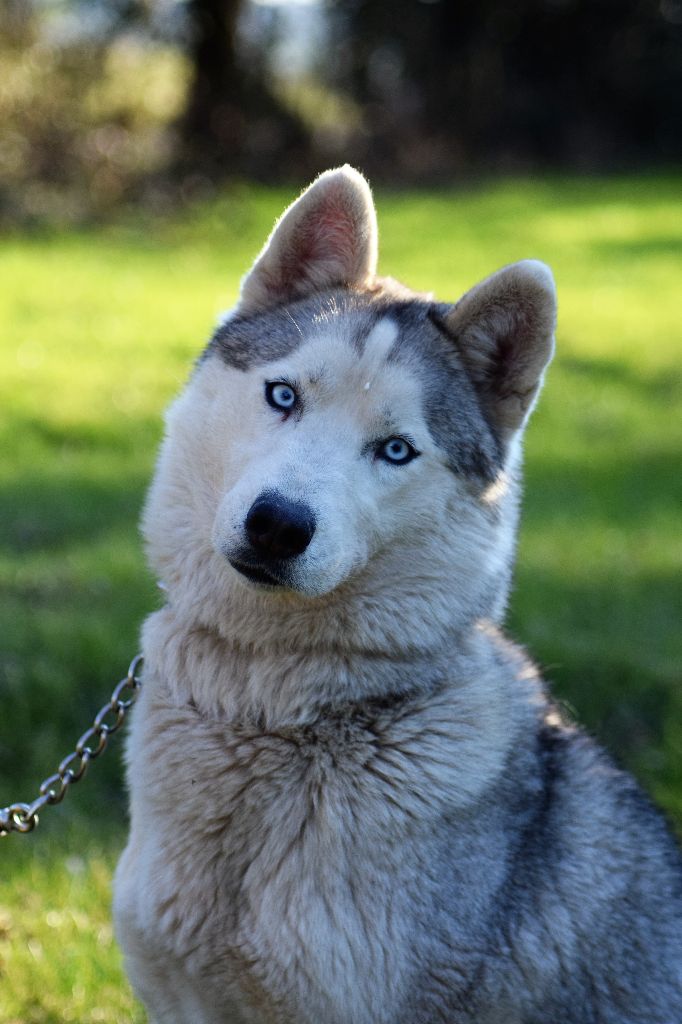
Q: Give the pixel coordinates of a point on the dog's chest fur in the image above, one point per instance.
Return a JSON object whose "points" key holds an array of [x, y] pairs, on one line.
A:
{"points": [[253, 896], [259, 880]]}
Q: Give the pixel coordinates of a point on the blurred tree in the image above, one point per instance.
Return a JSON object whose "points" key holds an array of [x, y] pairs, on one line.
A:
{"points": [[580, 83], [88, 95], [105, 101], [108, 101], [234, 121]]}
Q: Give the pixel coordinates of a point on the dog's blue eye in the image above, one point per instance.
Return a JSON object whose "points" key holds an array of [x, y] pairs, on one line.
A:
{"points": [[397, 450], [280, 395]]}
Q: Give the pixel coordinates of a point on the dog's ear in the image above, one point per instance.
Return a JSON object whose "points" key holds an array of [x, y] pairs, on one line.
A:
{"points": [[504, 332], [328, 237]]}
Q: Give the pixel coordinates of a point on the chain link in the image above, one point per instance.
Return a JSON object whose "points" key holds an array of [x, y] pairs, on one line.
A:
{"points": [[24, 817]]}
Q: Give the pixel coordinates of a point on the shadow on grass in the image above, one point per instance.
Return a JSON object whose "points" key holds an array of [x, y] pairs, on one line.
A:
{"points": [[73, 483], [625, 250], [608, 649], [629, 493], [76, 591], [49, 512], [663, 385]]}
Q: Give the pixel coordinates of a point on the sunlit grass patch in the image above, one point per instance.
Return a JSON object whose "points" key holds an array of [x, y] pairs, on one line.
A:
{"points": [[59, 963]]}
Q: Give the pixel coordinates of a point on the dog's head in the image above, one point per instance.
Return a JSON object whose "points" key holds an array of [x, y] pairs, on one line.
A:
{"points": [[342, 435]]}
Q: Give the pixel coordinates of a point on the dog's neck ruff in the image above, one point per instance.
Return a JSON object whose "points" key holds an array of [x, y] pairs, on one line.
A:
{"points": [[275, 686]]}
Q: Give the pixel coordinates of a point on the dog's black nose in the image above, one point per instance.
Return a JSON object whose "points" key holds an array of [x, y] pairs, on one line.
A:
{"points": [[278, 528]]}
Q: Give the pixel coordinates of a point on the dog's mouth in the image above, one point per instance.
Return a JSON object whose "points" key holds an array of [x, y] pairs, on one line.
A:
{"points": [[256, 574]]}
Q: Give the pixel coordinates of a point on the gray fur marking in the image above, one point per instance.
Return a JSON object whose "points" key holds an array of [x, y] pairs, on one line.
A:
{"points": [[451, 408], [243, 342]]}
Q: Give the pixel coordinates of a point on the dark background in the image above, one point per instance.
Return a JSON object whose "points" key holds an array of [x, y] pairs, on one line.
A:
{"points": [[128, 101]]}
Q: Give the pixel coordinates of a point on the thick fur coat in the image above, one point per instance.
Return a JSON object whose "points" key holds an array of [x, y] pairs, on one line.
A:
{"points": [[351, 800]]}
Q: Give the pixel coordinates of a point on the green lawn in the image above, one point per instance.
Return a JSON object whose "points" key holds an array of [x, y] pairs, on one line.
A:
{"points": [[97, 331]]}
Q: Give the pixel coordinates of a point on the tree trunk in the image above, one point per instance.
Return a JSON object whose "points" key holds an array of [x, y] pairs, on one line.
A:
{"points": [[233, 123]]}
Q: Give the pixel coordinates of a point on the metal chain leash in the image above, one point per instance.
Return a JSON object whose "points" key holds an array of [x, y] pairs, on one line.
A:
{"points": [[24, 817]]}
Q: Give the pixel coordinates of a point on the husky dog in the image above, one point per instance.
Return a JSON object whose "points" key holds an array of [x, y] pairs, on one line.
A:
{"points": [[351, 800]]}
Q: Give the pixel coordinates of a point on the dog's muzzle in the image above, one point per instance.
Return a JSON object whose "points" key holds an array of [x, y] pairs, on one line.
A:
{"points": [[277, 531]]}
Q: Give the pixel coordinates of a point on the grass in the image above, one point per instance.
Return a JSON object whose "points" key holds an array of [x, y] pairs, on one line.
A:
{"points": [[97, 331]]}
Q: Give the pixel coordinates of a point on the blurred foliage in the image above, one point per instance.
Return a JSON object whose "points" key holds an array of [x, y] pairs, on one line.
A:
{"points": [[104, 102], [450, 87], [86, 111], [236, 119]]}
